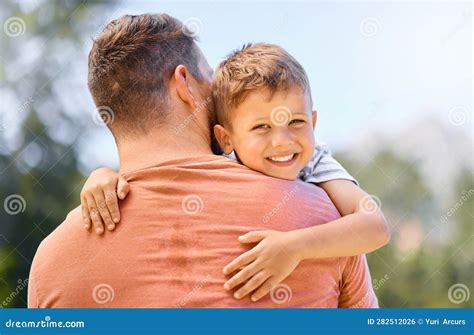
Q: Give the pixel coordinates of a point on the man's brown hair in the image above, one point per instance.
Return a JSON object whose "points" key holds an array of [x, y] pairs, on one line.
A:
{"points": [[254, 66], [130, 64]]}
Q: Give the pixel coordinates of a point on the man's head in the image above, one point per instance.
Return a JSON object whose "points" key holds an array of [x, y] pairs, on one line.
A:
{"points": [[264, 110], [144, 67]]}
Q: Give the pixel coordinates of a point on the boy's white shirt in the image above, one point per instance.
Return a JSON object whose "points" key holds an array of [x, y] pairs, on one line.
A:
{"points": [[321, 168]]}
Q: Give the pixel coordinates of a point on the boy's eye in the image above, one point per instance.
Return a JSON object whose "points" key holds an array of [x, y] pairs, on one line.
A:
{"points": [[261, 126], [295, 121]]}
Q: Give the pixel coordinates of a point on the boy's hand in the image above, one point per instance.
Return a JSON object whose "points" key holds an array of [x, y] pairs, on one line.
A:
{"points": [[99, 199], [264, 266]]}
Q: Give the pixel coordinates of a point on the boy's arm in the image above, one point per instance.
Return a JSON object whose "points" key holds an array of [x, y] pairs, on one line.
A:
{"points": [[361, 229]]}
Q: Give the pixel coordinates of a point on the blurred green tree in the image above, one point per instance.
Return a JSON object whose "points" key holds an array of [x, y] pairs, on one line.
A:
{"points": [[38, 171]]}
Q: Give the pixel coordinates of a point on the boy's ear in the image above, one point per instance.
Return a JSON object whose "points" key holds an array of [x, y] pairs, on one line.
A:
{"points": [[315, 118], [223, 138], [181, 77]]}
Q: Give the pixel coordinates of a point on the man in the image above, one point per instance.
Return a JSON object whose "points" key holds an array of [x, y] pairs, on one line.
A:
{"points": [[180, 222]]}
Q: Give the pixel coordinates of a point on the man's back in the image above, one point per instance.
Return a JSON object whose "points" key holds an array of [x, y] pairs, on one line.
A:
{"points": [[179, 227]]}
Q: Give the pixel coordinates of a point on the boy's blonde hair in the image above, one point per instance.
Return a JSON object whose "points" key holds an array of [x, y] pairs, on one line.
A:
{"points": [[254, 66]]}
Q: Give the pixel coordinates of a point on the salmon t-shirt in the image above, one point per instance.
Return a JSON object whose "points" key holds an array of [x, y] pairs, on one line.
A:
{"points": [[179, 228]]}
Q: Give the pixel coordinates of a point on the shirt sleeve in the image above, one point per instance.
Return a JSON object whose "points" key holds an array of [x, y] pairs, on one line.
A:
{"points": [[323, 167], [33, 301], [356, 286]]}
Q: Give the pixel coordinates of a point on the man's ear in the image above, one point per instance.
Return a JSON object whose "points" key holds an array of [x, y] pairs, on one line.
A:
{"points": [[182, 77], [223, 138], [315, 118]]}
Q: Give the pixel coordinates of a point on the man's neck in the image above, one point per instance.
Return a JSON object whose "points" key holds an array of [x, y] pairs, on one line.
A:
{"points": [[161, 146]]}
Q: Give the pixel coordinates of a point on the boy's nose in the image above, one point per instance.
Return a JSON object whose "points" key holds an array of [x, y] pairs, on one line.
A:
{"points": [[282, 139]]}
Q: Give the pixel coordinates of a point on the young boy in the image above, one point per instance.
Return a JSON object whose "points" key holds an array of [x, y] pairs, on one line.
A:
{"points": [[264, 114]]}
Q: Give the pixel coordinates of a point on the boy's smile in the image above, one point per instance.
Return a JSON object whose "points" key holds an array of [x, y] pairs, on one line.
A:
{"points": [[272, 134]]}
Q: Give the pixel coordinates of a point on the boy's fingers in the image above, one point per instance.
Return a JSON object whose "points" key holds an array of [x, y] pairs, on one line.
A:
{"points": [[253, 236], [251, 285], [103, 210], [112, 204], [264, 289], [95, 216], [85, 216], [122, 188], [240, 261], [242, 276]]}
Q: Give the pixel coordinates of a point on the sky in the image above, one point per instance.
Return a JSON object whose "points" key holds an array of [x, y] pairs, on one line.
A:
{"points": [[373, 66]]}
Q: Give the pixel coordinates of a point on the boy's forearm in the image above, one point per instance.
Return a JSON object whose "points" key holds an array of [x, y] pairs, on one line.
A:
{"points": [[350, 235]]}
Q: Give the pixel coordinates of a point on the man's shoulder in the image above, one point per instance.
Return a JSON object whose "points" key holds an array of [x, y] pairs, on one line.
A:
{"points": [[212, 177], [59, 239], [238, 170], [269, 187], [221, 172]]}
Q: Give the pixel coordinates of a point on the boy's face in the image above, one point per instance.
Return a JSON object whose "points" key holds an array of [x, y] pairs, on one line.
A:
{"points": [[272, 136]]}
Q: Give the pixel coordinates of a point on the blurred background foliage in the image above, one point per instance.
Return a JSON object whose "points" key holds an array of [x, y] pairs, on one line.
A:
{"points": [[43, 130]]}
